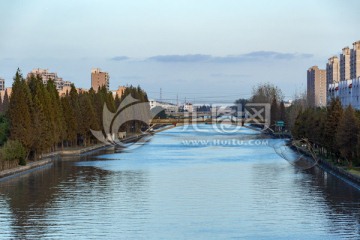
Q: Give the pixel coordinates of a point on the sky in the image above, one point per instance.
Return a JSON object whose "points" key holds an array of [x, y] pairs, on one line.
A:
{"points": [[204, 51]]}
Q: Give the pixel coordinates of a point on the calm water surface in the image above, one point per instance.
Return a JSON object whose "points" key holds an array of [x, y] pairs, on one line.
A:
{"points": [[223, 186]]}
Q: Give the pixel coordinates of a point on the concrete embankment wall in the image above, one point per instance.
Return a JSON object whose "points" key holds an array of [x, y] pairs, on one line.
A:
{"points": [[50, 158], [21, 169], [329, 167]]}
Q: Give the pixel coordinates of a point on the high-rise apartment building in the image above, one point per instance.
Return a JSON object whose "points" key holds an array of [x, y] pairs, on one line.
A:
{"points": [[2, 84], [316, 87], [345, 64], [355, 60], [332, 71], [99, 79], [46, 76]]}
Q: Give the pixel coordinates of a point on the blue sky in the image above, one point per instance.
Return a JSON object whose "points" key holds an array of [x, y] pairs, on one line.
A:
{"points": [[206, 51]]}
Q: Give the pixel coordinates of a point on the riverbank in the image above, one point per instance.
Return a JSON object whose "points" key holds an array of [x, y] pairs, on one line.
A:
{"points": [[79, 151], [50, 158], [332, 169], [327, 166]]}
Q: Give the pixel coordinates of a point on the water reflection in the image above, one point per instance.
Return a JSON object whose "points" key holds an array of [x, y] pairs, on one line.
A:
{"points": [[169, 190], [37, 199]]}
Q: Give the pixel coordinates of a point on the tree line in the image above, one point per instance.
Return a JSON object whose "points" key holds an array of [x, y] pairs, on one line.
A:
{"points": [[43, 122], [334, 131]]}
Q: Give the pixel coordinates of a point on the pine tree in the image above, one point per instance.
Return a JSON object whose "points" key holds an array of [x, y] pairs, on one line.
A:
{"points": [[334, 114], [40, 140], [70, 122], [74, 103], [57, 113], [282, 110], [88, 116], [6, 102], [1, 104], [347, 134], [274, 111], [20, 112]]}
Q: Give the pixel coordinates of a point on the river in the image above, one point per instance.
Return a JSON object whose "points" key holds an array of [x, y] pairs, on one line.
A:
{"points": [[183, 184]]}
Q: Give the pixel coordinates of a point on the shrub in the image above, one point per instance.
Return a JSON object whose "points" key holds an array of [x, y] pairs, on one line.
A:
{"points": [[13, 150]]}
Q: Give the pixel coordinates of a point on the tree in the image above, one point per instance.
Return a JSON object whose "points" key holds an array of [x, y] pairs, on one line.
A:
{"points": [[5, 103], [88, 117], [347, 134], [274, 111], [20, 112], [265, 93], [1, 104], [70, 121], [282, 111], [333, 117], [41, 134], [57, 117], [4, 129]]}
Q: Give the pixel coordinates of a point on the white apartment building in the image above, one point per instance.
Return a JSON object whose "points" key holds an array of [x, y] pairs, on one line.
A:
{"points": [[169, 107]]}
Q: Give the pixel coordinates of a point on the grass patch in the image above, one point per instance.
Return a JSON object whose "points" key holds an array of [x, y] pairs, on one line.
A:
{"points": [[355, 171]]}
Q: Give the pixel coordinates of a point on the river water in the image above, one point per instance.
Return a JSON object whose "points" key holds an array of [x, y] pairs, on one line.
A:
{"points": [[183, 184]]}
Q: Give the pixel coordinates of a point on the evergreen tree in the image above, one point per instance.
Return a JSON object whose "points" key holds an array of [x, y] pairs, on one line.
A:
{"points": [[274, 111], [334, 114], [56, 113], [347, 134], [70, 122], [20, 112], [1, 104], [40, 141], [88, 116], [282, 114], [6, 102]]}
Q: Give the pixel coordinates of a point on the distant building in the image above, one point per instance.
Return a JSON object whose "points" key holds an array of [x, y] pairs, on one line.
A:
{"points": [[316, 87], [64, 91], [7, 90], [188, 107], [288, 103], [2, 84], [347, 91], [332, 71], [345, 64], [46, 76], [120, 91], [355, 60], [169, 107], [99, 79]]}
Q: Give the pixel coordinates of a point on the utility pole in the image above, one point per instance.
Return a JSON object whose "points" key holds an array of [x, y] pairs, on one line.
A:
{"points": [[160, 95]]}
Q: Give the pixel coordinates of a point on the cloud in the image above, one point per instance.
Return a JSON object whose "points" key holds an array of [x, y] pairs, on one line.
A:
{"points": [[247, 57], [181, 58], [260, 56], [225, 75], [119, 58]]}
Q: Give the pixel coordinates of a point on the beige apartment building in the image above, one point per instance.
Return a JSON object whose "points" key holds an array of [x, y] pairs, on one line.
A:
{"points": [[99, 79], [332, 71], [355, 60], [2, 84], [46, 76], [345, 64], [316, 87], [119, 92]]}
